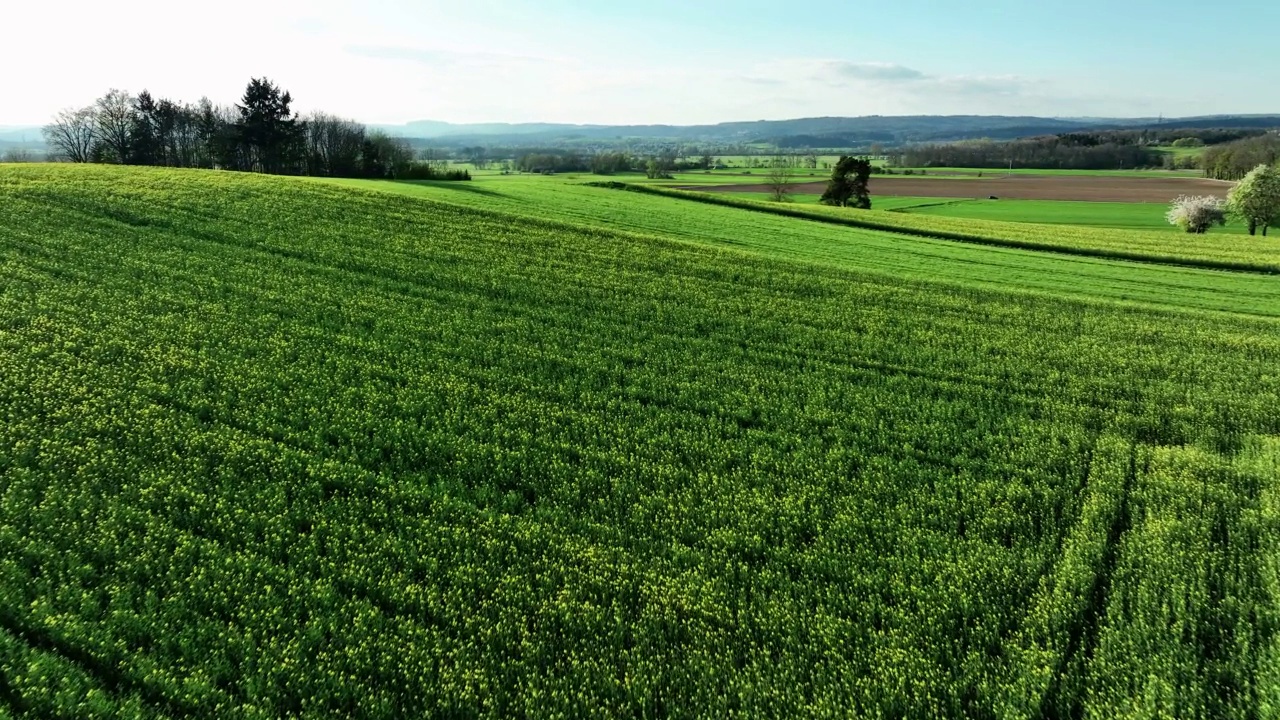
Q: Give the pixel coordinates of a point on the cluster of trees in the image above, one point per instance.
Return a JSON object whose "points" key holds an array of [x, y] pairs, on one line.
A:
{"points": [[17, 154], [549, 161], [1235, 160], [542, 160], [849, 185], [1231, 153], [1067, 152], [1255, 200], [611, 163], [259, 134], [1178, 137]]}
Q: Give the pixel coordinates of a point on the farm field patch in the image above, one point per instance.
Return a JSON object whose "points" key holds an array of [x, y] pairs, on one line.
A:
{"points": [[1004, 172], [1026, 187]]}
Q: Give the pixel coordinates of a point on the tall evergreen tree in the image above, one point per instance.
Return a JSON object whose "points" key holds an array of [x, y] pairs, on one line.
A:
{"points": [[268, 128], [146, 146]]}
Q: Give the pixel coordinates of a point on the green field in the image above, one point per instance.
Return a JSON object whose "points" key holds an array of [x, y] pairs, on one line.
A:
{"points": [[569, 199], [881, 203], [1183, 151], [1135, 216], [278, 447]]}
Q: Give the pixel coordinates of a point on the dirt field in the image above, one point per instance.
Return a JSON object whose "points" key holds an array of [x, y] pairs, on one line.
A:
{"points": [[1022, 187]]}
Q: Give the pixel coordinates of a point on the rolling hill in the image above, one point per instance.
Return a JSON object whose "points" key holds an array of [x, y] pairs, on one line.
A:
{"points": [[807, 132]]}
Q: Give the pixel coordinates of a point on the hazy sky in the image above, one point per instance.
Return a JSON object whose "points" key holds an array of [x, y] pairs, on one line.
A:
{"points": [[653, 61]]}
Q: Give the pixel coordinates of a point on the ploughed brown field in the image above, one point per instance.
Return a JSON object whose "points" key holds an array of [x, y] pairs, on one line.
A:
{"points": [[1022, 187]]}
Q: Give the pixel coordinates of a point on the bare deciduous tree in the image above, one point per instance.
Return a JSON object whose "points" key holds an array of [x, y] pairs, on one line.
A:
{"points": [[17, 155], [434, 159], [71, 135], [333, 145], [114, 118], [778, 180]]}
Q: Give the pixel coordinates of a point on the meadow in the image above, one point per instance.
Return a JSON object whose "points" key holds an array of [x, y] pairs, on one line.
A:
{"points": [[1136, 216], [277, 447], [1117, 215]]}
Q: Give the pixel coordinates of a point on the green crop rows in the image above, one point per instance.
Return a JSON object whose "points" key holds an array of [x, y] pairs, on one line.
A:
{"points": [[764, 232], [1254, 254], [275, 448]]}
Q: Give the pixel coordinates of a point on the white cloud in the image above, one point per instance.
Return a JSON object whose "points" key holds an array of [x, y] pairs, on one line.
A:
{"points": [[872, 71]]}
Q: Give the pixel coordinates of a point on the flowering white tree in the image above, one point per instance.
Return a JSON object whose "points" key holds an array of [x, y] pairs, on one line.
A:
{"points": [[1197, 214], [1256, 199]]}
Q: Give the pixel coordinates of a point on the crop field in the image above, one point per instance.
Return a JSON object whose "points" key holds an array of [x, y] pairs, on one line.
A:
{"points": [[276, 447], [736, 164], [1004, 172]]}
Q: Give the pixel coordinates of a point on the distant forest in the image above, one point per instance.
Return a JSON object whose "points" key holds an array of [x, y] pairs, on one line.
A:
{"points": [[1105, 150], [259, 134]]}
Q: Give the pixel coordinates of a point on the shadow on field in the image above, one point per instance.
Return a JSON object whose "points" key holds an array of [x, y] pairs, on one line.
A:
{"points": [[462, 186]]}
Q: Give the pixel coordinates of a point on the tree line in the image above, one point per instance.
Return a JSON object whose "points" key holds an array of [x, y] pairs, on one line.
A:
{"points": [[610, 163], [261, 134], [1178, 137], [1042, 153], [1233, 161]]}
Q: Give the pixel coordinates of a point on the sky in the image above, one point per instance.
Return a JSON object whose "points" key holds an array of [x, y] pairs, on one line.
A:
{"points": [[652, 61]]}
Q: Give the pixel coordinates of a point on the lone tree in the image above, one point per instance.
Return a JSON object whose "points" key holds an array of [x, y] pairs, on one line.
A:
{"points": [[1197, 214], [779, 179], [1256, 199], [848, 185]]}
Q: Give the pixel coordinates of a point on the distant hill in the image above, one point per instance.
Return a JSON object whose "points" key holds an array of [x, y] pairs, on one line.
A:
{"points": [[804, 132], [12, 134], [860, 129]]}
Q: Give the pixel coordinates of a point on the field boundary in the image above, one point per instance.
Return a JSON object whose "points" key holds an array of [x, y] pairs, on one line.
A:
{"points": [[866, 224], [906, 209]]}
